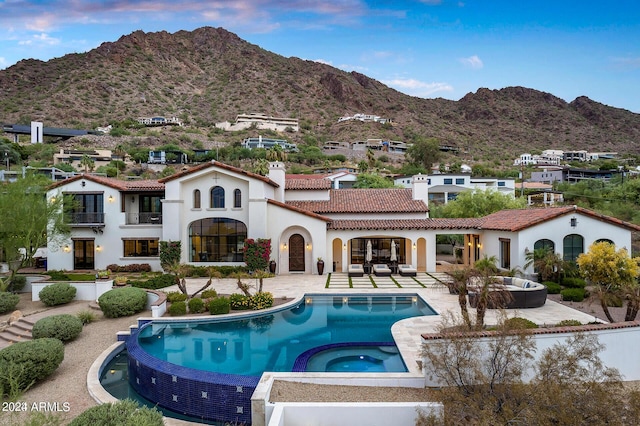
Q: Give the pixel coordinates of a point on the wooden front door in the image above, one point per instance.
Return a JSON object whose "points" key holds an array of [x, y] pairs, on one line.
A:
{"points": [[296, 253]]}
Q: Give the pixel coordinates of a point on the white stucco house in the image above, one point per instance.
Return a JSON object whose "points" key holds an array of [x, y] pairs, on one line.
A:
{"points": [[213, 207]]}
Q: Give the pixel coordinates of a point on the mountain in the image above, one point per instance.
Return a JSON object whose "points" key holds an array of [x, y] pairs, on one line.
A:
{"points": [[210, 75]]}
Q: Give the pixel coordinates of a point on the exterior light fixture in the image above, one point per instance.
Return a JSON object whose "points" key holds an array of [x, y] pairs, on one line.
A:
{"points": [[99, 248], [284, 246], [414, 246], [308, 246], [110, 198], [66, 249]]}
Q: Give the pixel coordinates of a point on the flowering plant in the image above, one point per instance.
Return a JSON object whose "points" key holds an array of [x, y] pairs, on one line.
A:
{"points": [[257, 253]]}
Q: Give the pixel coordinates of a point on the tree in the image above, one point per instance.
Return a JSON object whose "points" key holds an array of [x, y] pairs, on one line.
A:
{"points": [[478, 203], [276, 153], [424, 152], [485, 382], [28, 219], [257, 254], [614, 274], [365, 180], [87, 162]]}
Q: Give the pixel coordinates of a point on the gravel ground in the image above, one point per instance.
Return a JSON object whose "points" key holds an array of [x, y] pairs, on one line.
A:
{"points": [[68, 383]]}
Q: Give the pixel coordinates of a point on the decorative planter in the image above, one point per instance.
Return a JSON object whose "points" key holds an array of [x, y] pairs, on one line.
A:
{"points": [[272, 266], [320, 266]]}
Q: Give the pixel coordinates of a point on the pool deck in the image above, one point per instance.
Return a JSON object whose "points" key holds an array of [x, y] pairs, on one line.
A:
{"points": [[406, 333]]}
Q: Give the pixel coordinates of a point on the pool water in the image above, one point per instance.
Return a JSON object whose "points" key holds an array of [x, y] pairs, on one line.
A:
{"points": [[254, 344], [360, 359]]}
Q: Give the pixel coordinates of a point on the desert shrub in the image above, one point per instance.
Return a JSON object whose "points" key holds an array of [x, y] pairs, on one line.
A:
{"points": [[17, 283], [176, 296], [121, 302], [573, 294], [24, 363], [8, 301], [196, 305], [219, 305], [57, 294], [519, 323], [209, 294], [86, 317], [178, 308], [552, 288], [568, 323], [155, 283], [262, 300], [239, 302], [196, 271], [63, 327], [614, 301], [126, 413], [227, 271], [574, 282]]}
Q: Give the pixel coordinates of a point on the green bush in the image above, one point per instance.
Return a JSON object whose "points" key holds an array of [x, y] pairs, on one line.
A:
{"points": [[63, 327], [239, 302], [196, 306], [176, 296], [518, 323], [219, 305], [8, 301], [24, 363], [178, 308], [122, 302], [155, 283], [552, 288], [17, 283], [261, 300], [86, 317], [574, 282], [209, 294], [568, 323], [126, 413], [57, 294], [573, 294]]}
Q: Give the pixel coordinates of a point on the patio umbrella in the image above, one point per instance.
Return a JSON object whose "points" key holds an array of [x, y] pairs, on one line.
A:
{"points": [[394, 257], [369, 254]]}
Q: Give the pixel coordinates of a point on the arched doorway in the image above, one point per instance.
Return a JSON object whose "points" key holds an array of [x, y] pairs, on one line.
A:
{"points": [[296, 253]]}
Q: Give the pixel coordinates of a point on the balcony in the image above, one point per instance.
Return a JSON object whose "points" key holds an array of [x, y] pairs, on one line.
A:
{"points": [[144, 218], [86, 219]]}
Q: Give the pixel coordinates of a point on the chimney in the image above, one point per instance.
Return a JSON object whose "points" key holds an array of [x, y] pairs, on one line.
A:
{"points": [[277, 174], [420, 188]]}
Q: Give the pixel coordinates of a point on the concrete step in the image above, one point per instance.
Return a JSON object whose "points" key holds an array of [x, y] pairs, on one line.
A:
{"points": [[18, 332], [23, 324]]}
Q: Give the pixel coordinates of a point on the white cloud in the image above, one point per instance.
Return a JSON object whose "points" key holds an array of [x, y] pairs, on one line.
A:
{"points": [[472, 61], [419, 88], [323, 61], [627, 63]]}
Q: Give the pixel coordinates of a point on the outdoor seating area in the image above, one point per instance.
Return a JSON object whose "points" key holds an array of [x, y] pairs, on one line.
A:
{"points": [[407, 270], [513, 293]]}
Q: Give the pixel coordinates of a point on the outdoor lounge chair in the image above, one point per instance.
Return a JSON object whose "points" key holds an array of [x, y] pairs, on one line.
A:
{"points": [[407, 270], [381, 270], [355, 270]]}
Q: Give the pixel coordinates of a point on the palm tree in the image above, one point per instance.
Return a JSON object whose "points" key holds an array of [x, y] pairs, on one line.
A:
{"points": [[487, 294], [548, 264], [87, 162]]}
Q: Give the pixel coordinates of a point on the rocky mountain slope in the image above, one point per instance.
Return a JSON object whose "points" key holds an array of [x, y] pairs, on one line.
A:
{"points": [[210, 75]]}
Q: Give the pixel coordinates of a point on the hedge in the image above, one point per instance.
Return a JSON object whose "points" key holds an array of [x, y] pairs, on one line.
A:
{"points": [[573, 294], [24, 363], [219, 305], [63, 327], [57, 294], [122, 302], [8, 301], [574, 282], [178, 308], [552, 287], [196, 306], [155, 283], [126, 413]]}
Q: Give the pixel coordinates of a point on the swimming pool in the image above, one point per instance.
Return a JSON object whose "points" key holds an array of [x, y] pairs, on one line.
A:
{"points": [[210, 368]]}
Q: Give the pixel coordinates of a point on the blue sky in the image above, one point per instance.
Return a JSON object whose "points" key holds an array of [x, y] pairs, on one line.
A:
{"points": [[425, 48]]}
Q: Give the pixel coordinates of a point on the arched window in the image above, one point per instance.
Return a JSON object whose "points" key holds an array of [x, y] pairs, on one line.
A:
{"points": [[196, 199], [216, 239], [217, 197], [544, 244], [237, 198], [573, 246]]}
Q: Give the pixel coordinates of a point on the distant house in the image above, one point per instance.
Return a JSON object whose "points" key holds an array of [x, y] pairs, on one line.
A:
{"points": [[446, 187], [160, 121], [260, 121], [100, 157], [268, 143]]}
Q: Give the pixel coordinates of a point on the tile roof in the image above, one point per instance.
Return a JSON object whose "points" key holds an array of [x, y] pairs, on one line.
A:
{"points": [[519, 219], [146, 185], [220, 165], [436, 223], [295, 209], [292, 183], [388, 200]]}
